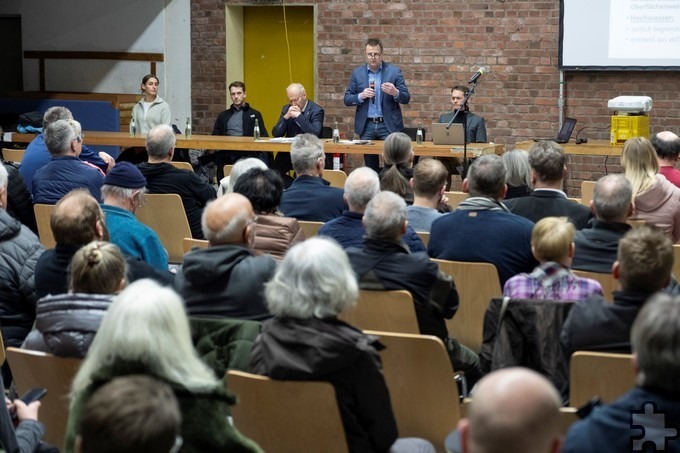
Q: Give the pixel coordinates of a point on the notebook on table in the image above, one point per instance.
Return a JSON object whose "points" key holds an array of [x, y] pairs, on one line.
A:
{"points": [[565, 132], [451, 136]]}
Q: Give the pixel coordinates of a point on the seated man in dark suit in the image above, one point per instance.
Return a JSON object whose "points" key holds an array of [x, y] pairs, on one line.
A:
{"points": [[310, 197], [643, 267], [299, 116], [612, 204], [383, 262], [548, 168], [654, 337]]}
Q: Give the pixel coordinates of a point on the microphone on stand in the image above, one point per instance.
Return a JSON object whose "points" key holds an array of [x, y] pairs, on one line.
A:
{"points": [[477, 75], [371, 85]]}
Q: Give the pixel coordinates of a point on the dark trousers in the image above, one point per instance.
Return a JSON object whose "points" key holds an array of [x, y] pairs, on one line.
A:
{"points": [[373, 131]]}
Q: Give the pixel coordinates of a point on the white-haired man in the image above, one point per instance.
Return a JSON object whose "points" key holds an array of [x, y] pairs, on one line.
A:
{"points": [[162, 177], [65, 172]]}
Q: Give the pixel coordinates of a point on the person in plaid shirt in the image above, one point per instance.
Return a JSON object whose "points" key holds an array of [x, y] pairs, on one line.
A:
{"points": [[552, 243]]}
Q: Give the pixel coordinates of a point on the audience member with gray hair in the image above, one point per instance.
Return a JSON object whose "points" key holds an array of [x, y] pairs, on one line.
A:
{"points": [[612, 204], [655, 336], [518, 176], [162, 177], [37, 155], [310, 197], [348, 230], [65, 172], [513, 410], [548, 169], [240, 167], [383, 262], [124, 188], [305, 341], [482, 229], [226, 279]]}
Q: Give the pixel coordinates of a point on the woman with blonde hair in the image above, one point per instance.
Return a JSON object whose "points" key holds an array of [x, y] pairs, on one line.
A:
{"points": [[656, 200], [146, 331], [552, 244], [398, 171], [66, 323]]}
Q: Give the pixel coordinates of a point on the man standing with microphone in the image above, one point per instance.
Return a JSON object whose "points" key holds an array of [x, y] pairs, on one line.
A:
{"points": [[382, 83]]}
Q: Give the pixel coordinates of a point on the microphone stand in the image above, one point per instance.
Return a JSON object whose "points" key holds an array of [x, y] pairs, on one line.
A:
{"points": [[464, 168]]}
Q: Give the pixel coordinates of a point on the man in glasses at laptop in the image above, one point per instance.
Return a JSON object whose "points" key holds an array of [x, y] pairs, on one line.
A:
{"points": [[475, 129]]}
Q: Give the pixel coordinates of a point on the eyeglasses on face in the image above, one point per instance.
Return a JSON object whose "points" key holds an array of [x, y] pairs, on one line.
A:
{"points": [[373, 55]]}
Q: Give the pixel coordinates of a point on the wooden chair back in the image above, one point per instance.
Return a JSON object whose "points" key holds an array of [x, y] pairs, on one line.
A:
{"points": [[424, 236], [587, 190], [607, 281], [601, 374], [310, 228], [43, 213], [13, 155], [337, 178], [477, 284], [390, 311], [575, 200], [32, 369], [164, 213], [455, 197], [287, 416], [182, 165], [676, 261], [188, 244], [636, 222], [419, 375], [227, 169]]}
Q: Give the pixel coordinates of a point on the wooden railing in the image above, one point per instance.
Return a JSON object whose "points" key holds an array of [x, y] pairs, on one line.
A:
{"points": [[43, 55]]}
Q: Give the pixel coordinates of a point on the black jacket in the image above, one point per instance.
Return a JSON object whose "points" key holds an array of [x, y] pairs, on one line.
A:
{"points": [[249, 117], [19, 202], [549, 203], [19, 253], [332, 351], [195, 193], [394, 267], [596, 247], [225, 281]]}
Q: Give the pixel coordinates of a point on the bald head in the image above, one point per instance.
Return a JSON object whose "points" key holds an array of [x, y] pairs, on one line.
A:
{"points": [[77, 219], [613, 198], [666, 144], [227, 219], [513, 410]]}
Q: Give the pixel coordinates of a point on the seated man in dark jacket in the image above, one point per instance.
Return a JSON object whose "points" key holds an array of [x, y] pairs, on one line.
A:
{"points": [[78, 220], [226, 279], [645, 260], [548, 168], [385, 263]]}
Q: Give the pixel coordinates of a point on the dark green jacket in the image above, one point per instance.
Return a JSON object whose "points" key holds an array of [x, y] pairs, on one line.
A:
{"points": [[205, 427]]}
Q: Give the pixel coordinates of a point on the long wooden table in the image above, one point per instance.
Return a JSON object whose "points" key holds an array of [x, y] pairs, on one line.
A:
{"points": [[592, 148], [217, 142]]}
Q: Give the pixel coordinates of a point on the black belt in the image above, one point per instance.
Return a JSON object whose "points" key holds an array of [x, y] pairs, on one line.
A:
{"points": [[377, 119]]}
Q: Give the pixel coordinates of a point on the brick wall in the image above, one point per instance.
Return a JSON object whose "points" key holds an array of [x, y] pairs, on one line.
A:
{"points": [[439, 43]]}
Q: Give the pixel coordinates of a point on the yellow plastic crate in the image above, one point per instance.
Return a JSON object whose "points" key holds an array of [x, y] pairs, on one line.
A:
{"points": [[628, 126]]}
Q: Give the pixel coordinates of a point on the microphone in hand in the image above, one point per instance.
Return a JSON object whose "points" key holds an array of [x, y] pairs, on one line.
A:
{"points": [[477, 75], [371, 85]]}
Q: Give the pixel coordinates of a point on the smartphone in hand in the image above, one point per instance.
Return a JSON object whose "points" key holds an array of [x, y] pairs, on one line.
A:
{"points": [[33, 395]]}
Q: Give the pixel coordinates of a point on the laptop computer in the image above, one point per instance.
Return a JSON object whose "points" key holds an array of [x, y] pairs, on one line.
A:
{"points": [[565, 133], [443, 136]]}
